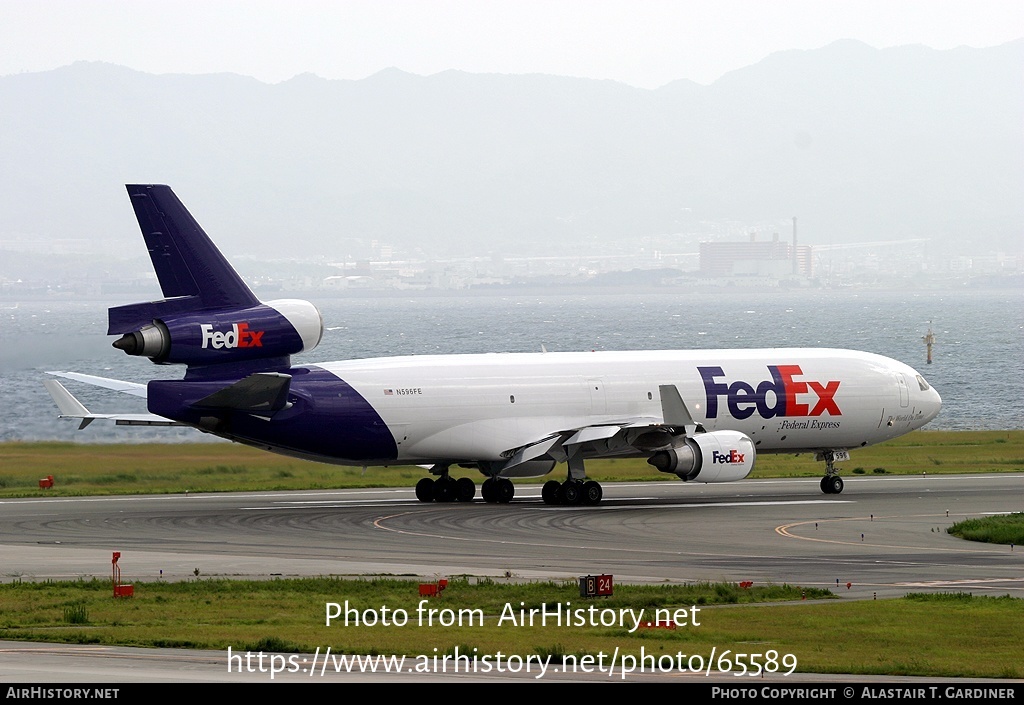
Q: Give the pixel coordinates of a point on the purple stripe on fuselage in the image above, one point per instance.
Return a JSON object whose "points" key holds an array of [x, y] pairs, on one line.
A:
{"points": [[326, 418], [332, 418]]}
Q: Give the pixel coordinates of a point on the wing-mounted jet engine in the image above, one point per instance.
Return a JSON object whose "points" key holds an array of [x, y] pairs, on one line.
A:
{"points": [[698, 456], [721, 456]]}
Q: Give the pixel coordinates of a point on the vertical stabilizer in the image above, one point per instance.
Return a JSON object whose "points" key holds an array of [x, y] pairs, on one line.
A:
{"points": [[209, 319], [186, 261], [193, 274]]}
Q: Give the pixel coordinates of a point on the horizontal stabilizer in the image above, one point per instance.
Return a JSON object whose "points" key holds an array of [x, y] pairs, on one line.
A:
{"points": [[263, 392], [71, 408], [133, 388]]}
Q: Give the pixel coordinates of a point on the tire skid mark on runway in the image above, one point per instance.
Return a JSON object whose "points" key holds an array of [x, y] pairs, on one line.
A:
{"points": [[784, 530], [632, 550], [327, 504], [701, 505], [114, 652], [657, 543], [606, 506], [378, 523], [203, 495]]}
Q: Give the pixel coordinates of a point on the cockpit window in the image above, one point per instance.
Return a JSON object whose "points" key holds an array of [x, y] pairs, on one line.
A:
{"points": [[922, 384]]}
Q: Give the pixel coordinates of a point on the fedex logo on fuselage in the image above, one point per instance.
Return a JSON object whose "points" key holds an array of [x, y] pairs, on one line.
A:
{"points": [[785, 394], [238, 337]]}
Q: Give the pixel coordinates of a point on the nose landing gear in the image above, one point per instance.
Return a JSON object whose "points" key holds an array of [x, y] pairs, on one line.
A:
{"points": [[831, 483]]}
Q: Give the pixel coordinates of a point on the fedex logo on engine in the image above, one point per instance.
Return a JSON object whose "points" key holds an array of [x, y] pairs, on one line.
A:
{"points": [[733, 456], [785, 394], [238, 337]]}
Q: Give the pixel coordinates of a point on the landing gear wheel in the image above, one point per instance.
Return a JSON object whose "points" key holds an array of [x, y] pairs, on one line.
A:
{"points": [[505, 490], [487, 490], [549, 493], [444, 490], [571, 492], [465, 489], [831, 483], [592, 492], [425, 490]]}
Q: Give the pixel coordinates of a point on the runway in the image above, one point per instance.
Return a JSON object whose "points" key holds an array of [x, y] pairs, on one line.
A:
{"points": [[885, 536]]}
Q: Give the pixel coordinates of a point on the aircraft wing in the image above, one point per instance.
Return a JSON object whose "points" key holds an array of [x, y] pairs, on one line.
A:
{"points": [[605, 439], [71, 408], [619, 436]]}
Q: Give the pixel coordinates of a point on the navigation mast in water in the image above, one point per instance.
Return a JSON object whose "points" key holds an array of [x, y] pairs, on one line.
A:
{"points": [[929, 340]]}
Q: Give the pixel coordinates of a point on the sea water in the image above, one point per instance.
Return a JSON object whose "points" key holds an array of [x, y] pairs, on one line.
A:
{"points": [[978, 354]]}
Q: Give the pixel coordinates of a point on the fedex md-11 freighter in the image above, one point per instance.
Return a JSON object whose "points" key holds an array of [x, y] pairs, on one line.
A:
{"points": [[702, 415]]}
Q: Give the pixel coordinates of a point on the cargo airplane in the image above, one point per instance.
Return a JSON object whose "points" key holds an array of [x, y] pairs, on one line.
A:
{"points": [[702, 415]]}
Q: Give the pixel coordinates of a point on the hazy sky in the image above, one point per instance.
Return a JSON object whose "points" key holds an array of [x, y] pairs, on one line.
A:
{"points": [[646, 43]]}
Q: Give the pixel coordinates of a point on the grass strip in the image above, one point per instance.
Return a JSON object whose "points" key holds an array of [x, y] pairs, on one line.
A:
{"points": [[1005, 529], [94, 469], [930, 635]]}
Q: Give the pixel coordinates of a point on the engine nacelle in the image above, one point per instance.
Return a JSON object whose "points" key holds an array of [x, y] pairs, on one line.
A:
{"points": [[720, 456], [267, 330]]}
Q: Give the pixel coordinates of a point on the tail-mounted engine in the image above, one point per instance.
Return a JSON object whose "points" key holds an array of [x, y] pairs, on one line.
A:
{"points": [[208, 315], [720, 456], [206, 337]]}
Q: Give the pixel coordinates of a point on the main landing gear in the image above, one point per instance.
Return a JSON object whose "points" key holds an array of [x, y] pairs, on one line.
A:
{"points": [[576, 489], [498, 490], [571, 492], [831, 483], [445, 488]]}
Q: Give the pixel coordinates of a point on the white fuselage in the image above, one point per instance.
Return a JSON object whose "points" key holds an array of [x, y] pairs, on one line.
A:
{"points": [[480, 407]]}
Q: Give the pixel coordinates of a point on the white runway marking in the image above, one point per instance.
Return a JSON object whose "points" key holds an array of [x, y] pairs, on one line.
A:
{"points": [[328, 504]]}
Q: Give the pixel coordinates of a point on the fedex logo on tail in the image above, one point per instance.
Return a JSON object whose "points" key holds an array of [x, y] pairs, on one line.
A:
{"points": [[240, 336], [785, 394]]}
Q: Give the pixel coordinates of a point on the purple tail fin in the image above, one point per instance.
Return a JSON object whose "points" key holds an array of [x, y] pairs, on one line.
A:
{"points": [[186, 261], [193, 274]]}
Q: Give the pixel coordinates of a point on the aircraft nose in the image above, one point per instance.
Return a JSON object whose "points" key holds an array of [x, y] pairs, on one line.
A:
{"points": [[932, 404]]}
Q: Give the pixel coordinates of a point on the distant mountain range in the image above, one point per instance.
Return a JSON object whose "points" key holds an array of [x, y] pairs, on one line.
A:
{"points": [[861, 144]]}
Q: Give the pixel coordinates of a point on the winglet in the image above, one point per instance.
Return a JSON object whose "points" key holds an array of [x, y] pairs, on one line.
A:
{"points": [[69, 406]]}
